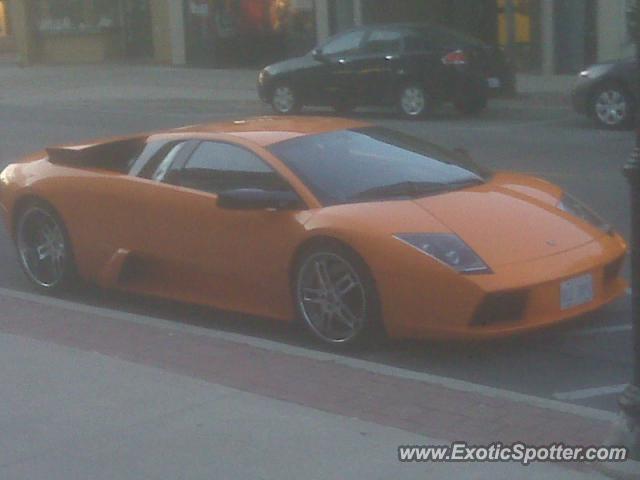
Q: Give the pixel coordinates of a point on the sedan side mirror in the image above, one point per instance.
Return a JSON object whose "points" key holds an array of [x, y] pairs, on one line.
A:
{"points": [[317, 54], [257, 199]]}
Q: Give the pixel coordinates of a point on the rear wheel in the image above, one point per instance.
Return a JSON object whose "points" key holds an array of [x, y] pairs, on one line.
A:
{"points": [[335, 296], [284, 99], [413, 101], [44, 250]]}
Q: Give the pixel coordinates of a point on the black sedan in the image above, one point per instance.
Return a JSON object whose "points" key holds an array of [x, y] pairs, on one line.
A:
{"points": [[605, 92], [411, 66]]}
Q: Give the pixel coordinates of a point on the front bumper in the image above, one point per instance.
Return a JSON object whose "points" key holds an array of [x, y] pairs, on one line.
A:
{"points": [[580, 96], [417, 309], [263, 93], [264, 86]]}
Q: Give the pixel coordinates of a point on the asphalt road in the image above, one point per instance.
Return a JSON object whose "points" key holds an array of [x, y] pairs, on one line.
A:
{"points": [[585, 363]]}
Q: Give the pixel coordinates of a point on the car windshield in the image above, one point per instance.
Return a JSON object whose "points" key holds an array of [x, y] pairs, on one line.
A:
{"points": [[375, 163]]}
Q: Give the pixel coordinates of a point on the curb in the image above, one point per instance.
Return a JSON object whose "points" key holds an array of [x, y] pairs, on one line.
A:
{"points": [[629, 470]]}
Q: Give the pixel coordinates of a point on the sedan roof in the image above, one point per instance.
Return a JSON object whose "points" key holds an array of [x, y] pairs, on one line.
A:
{"points": [[266, 131]]}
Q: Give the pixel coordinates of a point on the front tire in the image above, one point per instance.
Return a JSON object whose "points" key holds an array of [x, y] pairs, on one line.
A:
{"points": [[612, 107], [285, 100], [335, 296], [413, 101], [44, 249]]}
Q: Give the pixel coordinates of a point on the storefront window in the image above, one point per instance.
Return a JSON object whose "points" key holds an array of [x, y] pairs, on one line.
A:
{"points": [[3, 20], [76, 16], [253, 32]]}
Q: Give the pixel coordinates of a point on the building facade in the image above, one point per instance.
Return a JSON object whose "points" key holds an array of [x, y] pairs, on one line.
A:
{"points": [[544, 36], [6, 35]]}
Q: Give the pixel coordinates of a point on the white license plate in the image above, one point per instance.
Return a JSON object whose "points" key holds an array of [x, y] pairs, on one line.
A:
{"points": [[493, 82], [576, 291]]}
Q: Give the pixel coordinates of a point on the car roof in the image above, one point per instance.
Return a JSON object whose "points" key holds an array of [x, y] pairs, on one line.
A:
{"points": [[414, 26], [264, 131]]}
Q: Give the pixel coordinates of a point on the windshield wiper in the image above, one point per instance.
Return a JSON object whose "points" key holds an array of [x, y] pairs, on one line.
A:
{"points": [[411, 189], [466, 182], [401, 189]]}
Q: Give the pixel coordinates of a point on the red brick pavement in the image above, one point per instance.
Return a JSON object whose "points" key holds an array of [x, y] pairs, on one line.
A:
{"points": [[413, 405]]}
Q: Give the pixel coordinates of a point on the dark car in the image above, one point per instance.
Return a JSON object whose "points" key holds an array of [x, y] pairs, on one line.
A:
{"points": [[605, 92], [412, 66]]}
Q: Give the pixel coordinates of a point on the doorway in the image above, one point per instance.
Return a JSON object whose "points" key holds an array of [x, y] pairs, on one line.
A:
{"points": [[136, 22]]}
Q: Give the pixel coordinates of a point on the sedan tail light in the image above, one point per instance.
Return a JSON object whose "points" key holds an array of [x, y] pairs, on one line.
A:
{"points": [[457, 57]]}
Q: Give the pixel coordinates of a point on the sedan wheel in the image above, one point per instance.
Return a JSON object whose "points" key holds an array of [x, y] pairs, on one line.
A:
{"points": [[284, 100], [413, 101], [612, 107], [43, 247], [334, 296]]}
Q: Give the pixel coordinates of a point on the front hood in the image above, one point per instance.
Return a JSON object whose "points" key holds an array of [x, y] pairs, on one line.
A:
{"points": [[289, 65], [504, 225], [613, 62]]}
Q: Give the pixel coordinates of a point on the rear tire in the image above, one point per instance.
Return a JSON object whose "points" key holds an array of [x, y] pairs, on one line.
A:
{"points": [[44, 247]]}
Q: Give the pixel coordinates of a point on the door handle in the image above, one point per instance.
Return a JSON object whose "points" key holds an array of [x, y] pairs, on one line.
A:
{"points": [[390, 57], [342, 61]]}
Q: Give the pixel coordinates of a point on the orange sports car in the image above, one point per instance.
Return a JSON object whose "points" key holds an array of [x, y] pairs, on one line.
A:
{"points": [[351, 228]]}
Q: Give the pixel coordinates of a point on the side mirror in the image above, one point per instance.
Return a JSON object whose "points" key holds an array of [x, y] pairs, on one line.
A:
{"points": [[317, 54], [257, 199]]}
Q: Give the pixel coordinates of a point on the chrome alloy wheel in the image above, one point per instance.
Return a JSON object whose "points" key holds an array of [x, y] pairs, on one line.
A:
{"points": [[413, 100], [283, 100], [331, 297], [611, 107], [42, 247]]}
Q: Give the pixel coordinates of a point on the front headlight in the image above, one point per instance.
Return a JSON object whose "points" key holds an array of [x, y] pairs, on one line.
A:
{"points": [[578, 209], [448, 249], [262, 76], [595, 71]]}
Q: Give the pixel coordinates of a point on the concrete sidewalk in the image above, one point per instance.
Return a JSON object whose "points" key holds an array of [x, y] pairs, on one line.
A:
{"points": [[40, 85], [101, 394]]}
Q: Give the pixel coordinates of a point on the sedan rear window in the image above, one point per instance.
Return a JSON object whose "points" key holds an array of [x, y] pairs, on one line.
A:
{"points": [[374, 163]]}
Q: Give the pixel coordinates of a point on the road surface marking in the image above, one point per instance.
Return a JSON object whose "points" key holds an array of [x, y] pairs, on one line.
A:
{"points": [[603, 330], [270, 345], [589, 392]]}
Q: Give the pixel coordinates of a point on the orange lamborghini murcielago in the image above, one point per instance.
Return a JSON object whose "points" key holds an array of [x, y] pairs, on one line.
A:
{"points": [[348, 227]]}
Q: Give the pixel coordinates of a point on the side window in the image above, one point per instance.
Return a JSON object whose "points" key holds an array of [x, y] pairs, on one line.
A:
{"points": [[383, 42], [215, 167], [158, 160], [347, 43], [150, 149], [415, 43], [166, 162]]}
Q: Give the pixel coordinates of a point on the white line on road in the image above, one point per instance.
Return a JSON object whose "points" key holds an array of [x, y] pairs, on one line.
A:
{"points": [[448, 382], [589, 392], [601, 330]]}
